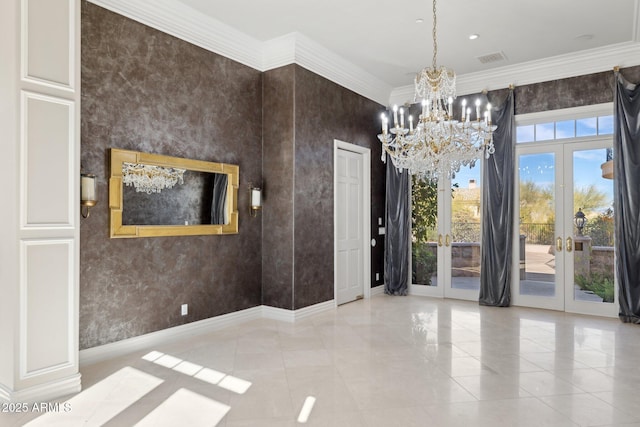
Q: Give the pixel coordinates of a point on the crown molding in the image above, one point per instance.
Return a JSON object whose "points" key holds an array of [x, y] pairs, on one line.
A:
{"points": [[180, 21], [194, 27], [295, 48], [278, 52], [185, 23], [320, 60], [553, 68]]}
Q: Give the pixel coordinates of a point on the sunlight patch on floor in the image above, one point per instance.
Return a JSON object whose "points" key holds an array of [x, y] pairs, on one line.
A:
{"points": [[228, 382], [303, 417], [185, 408], [102, 401]]}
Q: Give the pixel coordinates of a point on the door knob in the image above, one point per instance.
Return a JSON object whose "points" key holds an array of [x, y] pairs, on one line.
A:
{"points": [[446, 240], [559, 244], [439, 239], [569, 244]]}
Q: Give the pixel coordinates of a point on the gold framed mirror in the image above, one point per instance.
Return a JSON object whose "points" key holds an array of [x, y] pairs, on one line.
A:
{"points": [[152, 195]]}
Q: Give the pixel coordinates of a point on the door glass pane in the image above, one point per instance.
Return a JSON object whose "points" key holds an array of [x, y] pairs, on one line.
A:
{"points": [[465, 229], [537, 224], [593, 266], [424, 233]]}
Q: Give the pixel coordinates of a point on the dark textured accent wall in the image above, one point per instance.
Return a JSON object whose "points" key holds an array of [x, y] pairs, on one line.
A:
{"points": [[326, 111], [303, 114], [579, 91], [278, 171], [571, 92], [145, 90]]}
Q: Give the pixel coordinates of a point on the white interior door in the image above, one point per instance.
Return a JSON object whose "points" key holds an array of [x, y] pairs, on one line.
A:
{"points": [[349, 230]]}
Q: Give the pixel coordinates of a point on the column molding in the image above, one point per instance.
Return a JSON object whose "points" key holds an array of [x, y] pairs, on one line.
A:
{"points": [[39, 262]]}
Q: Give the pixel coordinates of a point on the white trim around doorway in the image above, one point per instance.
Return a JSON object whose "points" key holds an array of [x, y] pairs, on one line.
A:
{"points": [[366, 220]]}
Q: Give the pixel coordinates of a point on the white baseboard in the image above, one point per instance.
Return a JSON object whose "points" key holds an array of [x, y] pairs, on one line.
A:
{"points": [[130, 345], [377, 290], [294, 315], [42, 392]]}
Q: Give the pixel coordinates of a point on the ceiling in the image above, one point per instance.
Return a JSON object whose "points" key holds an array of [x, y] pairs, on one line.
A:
{"points": [[389, 43], [389, 46]]}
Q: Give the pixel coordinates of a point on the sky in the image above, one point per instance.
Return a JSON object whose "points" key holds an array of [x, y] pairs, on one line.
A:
{"points": [[465, 174], [540, 168]]}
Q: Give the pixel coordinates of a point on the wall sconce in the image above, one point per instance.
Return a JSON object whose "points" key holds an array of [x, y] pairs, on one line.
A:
{"points": [[87, 193], [580, 220], [256, 200]]}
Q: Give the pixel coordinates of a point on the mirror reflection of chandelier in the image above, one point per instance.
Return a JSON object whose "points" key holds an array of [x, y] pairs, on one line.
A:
{"points": [[149, 178], [441, 141]]}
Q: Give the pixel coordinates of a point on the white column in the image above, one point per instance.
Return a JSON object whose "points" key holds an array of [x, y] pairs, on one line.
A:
{"points": [[39, 221]]}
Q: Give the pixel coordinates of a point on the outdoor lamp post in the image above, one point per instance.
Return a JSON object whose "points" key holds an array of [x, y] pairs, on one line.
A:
{"points": [[580, 220]]}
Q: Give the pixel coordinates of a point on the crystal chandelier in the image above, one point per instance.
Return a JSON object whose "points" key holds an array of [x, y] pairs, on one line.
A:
{"points": [[438, 145], [149, 178]]}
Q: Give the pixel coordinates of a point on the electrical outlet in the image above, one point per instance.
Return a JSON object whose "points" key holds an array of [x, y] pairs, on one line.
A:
{"points": [[377, 277], [184, 309]]}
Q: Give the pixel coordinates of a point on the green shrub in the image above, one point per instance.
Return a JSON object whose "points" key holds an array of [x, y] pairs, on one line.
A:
{"points": [[424, 263], [599, 283]]}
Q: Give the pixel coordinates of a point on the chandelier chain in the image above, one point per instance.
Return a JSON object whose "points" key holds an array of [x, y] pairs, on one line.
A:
{"points": [[440, 141], [435, 36]]}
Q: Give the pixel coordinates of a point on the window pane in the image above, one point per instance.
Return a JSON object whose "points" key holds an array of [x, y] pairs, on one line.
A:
{"points": [[594, 251], [586, 127], [465, 228], [605, 125], [525, 134], [537, 224], [424, 233], [566, 129], [544, 132]]}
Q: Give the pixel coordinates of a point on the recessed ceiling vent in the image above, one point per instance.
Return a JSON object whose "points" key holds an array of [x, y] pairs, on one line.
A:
{"points": [[492, 57]]}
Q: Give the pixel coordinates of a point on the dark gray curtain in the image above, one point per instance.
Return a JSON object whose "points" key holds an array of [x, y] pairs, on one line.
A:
{"points": [[497, 211], [626, 163], [396, 242], [219, 198]]}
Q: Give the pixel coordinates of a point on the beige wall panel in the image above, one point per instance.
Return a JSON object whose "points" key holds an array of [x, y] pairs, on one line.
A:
{"points": [[48, 145], [49, 41], [46, 301]]}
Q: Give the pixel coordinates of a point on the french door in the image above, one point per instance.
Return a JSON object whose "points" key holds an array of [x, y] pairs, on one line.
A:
{"points": [[446, 250], [558, 265]]}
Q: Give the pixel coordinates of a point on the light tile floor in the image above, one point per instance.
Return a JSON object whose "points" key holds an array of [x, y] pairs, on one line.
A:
{"points": [[387, 361]]}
